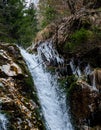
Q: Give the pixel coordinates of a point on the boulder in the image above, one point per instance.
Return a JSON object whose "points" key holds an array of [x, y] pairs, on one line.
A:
{"points": [[85, 106]]}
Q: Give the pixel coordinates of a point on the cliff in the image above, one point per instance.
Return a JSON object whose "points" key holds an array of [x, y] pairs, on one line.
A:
{"points": [[78, 39], [18, 99]]}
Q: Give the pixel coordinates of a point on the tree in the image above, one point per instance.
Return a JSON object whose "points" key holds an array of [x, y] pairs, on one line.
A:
{"points": [[51, 10], [49, 15], [28, 27], [3, 26], [17, 23]]}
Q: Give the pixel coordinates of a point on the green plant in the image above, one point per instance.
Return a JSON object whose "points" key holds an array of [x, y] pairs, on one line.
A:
{"points": [[62, 81], [71, 84], [17, 23], [79, 37], [71, 79], [68, 83], [49, 15]]}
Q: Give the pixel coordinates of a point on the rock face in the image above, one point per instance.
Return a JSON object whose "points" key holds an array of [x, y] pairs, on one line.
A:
{"points": [[78, 37], [61, 31], [17, 95], [77, 5], [85, 102]]}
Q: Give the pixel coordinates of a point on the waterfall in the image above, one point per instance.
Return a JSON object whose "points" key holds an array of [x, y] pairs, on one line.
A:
{"points": [[3, 122], [75, 70], [87, 71], [52, 99], [94, 83]]}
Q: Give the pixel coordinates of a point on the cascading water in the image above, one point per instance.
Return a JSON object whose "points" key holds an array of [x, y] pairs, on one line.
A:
{"points": [[75, 70], [87, 71], [52, 99], [3, 122]]}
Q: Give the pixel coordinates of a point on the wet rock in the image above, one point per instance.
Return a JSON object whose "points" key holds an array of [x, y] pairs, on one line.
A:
{"points": [[84, 105], [11, 49], [85, 101], [97, 75], [16, 91]]}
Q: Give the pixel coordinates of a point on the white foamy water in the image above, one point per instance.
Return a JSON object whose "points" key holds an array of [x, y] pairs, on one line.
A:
{"points": [[87, 71], [52, 99], [3, 122], [75, 70], [49, 53]]}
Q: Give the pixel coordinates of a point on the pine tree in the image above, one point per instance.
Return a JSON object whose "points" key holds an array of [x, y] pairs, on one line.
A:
{"points": [[28, 28], [51, 10], [17, 23], [47, 12]]}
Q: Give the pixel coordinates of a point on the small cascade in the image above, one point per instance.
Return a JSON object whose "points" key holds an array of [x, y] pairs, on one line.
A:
{"points": [[75, 70], [78, 72], [87, 71], [46, 52], [52, 99], [94, 83], [3, 122], [73, 67]]}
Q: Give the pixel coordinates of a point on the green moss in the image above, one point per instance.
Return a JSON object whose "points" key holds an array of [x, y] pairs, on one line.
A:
{"points": [[39, 120], [51, 69], [30, 89], [29, 81], [71, 79], [68, 83], [71, 84], [79, 37], [62, 81], [28, 84]]}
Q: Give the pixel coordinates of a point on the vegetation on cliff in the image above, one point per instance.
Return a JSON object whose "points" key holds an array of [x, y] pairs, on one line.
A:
{"points": [[75, 30]]}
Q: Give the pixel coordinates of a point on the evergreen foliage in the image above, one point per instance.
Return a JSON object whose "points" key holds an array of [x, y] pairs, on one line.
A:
{"points": [[79, 37], [47, 12], [17, 23], [51, 10], [49, 15]]}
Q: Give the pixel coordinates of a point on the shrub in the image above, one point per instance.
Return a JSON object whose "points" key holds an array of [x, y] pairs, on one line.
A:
{"points": [[79, 37]]}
